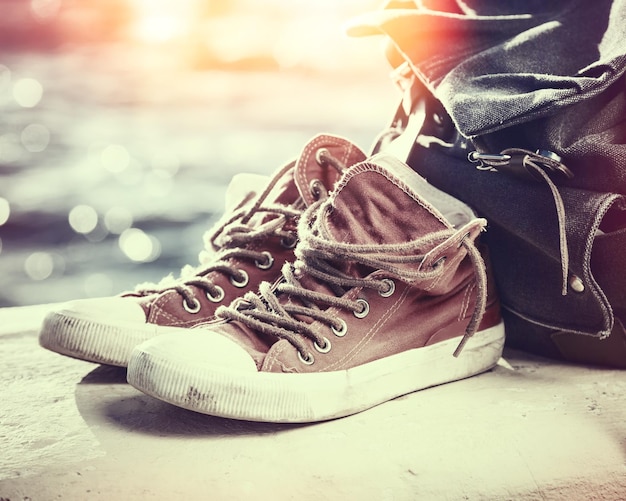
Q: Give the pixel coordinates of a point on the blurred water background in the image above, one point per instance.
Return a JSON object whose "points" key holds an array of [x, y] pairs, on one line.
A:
{"points": [[123, 121]]}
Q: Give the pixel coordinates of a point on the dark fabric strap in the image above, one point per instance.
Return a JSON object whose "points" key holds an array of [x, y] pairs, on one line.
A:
{"points": [[523, 237]]}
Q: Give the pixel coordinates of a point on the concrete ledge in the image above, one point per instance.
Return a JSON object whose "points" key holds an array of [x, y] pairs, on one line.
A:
{"points": [[531, 429]]}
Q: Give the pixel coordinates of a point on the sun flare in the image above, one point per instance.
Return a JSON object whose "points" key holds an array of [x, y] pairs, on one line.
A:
{"points": [[161, 20]]}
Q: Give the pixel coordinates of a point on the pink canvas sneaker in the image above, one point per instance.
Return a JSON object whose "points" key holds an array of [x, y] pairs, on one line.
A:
{"points": [[389, 294], [247, 246]]}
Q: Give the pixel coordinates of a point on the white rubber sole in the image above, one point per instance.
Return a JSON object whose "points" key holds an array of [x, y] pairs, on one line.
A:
{"points": [[110, 344], [299, 398]]}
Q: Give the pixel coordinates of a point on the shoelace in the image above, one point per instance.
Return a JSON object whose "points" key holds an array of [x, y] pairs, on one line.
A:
{"points": [[231, 237], [538, 166], [266, 313]]}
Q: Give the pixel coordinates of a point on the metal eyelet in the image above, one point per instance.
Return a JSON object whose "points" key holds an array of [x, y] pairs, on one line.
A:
{"points": [[364, 310], [319, 156], [316, 187], [390, 289], [309, 360], [289, 243], [242, 282], [219, 296], [576, 284], [549, 154], [438, 119], [342, 330], [439, 261], [269, 261], [193, 308], [323, 349]]}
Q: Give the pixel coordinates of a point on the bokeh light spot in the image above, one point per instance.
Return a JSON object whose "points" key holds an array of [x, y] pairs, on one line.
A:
{"points": [[118, 219], [115, 158], [5, 210], [138, 246], [98, 234], [39, 265], [35, 137], [27, 92], [83, 219]]}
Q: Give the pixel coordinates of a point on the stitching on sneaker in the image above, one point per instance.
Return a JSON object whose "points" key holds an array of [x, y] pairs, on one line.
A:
{"points": [[309, 150], [266, 313], [272, 360], [313, 146], [373, 331], [370, 167]]}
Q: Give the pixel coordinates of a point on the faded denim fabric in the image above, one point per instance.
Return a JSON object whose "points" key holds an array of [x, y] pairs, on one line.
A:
{"points": [[534, 74]]}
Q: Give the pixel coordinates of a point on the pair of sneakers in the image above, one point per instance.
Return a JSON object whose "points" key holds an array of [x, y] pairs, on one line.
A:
{"points": [[346, 282]]}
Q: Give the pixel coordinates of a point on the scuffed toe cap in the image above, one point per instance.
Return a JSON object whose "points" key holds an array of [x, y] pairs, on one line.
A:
{"points": [[199, 348]]}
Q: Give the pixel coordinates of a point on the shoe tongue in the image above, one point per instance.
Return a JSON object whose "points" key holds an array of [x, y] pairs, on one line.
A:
{"points": [[242, 188], [382, 201], [284, 191]]}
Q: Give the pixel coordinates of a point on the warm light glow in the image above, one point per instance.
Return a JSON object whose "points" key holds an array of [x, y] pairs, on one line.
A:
{"points": [[45, 9], [162, 20], [159, 28]]}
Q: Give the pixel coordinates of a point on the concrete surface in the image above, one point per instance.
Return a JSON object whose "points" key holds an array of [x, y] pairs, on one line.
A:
{"points": [[531, 429]]}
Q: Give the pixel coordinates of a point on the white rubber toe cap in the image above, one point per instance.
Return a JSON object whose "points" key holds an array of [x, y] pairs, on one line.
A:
{"points": [[197, 349], [106, 310]]}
